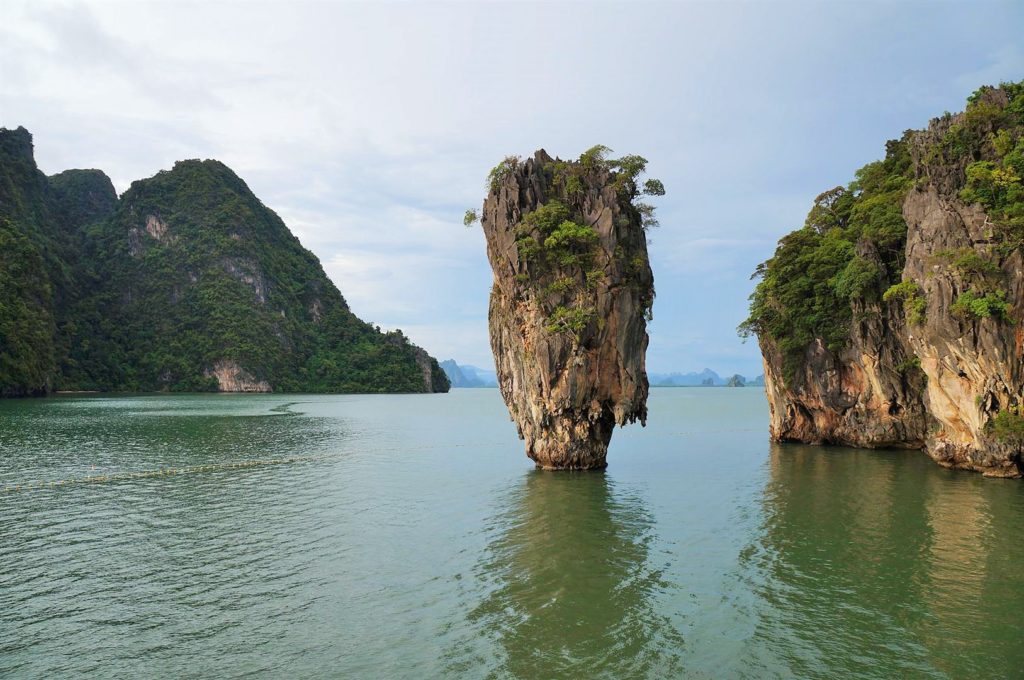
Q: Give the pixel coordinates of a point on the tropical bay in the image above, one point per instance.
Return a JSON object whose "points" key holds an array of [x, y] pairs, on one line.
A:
{"points": [[525, 340], [407, 536]]}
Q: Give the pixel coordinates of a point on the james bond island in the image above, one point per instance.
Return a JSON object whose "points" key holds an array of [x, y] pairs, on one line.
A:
{"points": [[572, 295], [893, 318]]}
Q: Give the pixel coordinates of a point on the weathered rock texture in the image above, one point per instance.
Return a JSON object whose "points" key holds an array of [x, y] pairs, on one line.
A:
{"points": [[974, 366], [857, 397], [566, 389], [233, 378], [935, 383]]}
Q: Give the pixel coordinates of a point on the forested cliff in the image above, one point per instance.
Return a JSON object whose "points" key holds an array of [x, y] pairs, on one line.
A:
{"points": [[893, 317], [187, 282]]}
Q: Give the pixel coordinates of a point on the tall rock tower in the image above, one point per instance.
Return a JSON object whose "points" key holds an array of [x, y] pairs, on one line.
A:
{"points": [[572, 295]]}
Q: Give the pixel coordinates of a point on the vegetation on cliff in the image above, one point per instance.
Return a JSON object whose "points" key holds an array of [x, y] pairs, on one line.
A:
{"points": [[851, 251], [31, 271], [991, 138], [893, 318], [186, 273], [572, 295], [560, 250], [26, 321]]}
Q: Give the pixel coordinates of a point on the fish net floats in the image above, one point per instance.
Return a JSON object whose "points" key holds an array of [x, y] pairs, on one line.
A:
{"points": [[36, 485], [161, 472]]}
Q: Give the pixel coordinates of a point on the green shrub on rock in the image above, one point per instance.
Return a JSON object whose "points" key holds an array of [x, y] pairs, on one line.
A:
{"points": [[914, 303], [971, 305], [1008, 425]]}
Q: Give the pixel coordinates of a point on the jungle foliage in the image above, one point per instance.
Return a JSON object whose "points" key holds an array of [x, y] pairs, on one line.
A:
{"points": [[149, 292], [850, 250], [563, 253], [1008, 426]]}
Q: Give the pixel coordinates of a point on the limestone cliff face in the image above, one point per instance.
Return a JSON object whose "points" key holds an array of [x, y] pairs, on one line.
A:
{"points": [[863, 396], [567, 317], [974, 366], [931, 374], [434, 378], [233, 378]]}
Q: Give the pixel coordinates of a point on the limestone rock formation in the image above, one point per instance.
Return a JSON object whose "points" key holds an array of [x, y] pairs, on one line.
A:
{"points": [[974, 363], [187, 282], [572, 294], [860, 396], [233, 378], [935, 361]]}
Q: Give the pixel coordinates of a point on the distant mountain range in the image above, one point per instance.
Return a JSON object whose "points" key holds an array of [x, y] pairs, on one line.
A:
{"points": [[463, 375], [706, 378]]}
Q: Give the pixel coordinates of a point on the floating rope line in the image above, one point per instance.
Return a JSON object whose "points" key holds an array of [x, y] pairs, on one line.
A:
{"points": [[242, 464], [210, 467], [162, 472]]}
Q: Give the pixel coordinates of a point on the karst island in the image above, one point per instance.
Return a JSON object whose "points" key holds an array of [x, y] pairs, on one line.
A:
{"points": [[893, 318], [572, 295]]}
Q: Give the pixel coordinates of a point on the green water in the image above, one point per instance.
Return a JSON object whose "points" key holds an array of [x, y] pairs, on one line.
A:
{"points": [[408, 537]]}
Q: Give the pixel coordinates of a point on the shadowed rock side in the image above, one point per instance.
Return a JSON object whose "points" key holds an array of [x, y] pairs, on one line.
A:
{"points": [[858, 397], [569, 304], [930, 353]]}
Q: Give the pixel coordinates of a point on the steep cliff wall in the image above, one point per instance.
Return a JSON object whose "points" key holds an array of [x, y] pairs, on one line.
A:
{"points": [[965, 258], [572, 293], [41, 274], [864, 395], [882, 329]]}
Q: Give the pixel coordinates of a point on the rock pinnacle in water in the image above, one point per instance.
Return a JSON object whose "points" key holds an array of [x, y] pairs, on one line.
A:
{"points": [[572, 295]]}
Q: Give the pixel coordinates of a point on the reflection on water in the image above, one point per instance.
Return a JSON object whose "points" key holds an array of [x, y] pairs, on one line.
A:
{"points": [[881, 564], [571, 589], [398, 543]]}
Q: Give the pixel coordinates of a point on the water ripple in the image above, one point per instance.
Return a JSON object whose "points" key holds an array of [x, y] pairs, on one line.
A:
{"points": [[406, 536]]}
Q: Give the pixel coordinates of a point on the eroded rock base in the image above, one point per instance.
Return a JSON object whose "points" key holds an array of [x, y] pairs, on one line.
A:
{"points": [[580, 445]]}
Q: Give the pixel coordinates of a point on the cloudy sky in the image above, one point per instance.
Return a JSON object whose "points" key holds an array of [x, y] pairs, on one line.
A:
{"points": [[370, 127]]}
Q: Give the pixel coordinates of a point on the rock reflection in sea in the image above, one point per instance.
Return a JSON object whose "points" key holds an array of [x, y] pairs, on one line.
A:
{"points": [[588, 610], [875, 559]]}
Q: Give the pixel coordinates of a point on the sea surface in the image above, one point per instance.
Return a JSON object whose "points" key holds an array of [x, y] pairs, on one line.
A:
{"points": [[409, 537]]}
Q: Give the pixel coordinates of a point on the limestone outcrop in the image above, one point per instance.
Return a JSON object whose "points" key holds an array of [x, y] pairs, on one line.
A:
{"points": [[929, 350], [864, 395], [974, 363], [233, 378], [187, 282], [571, 298]]}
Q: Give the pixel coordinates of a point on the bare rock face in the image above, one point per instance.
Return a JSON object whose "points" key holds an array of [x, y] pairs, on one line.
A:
{"points": [[569, 307], [233, 378], [434, 378], [936, 366], [862, 396], [974, 365]]}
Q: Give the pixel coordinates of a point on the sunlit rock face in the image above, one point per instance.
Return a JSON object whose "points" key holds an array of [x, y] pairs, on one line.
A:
{"points": [[857, 397], [974, 366], [569, 307], [932, 371]]}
